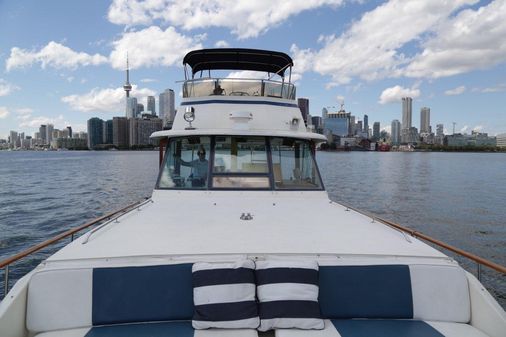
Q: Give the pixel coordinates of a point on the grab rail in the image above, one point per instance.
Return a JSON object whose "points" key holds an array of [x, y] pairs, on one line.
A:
{"points": [[479, 260], [5, 263]]}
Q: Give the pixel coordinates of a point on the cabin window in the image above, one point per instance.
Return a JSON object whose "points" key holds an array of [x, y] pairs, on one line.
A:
{"points": [[187, 163], [239, 162], [293, 166]]}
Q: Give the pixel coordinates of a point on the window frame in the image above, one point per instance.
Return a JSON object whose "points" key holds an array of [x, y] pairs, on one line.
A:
{"points": [[269, 174]]}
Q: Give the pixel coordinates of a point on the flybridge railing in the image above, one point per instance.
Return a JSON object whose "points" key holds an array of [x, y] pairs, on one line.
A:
{"points": [[238, 87], [70, 233], [477, 259]]}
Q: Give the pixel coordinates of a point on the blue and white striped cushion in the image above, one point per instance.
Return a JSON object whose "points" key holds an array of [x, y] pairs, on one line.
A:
{"points": [[288, 295], [224, 295]]}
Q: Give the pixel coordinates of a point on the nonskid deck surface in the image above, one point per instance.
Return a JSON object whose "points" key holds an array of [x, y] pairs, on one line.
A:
{"points": [[203, 222]]}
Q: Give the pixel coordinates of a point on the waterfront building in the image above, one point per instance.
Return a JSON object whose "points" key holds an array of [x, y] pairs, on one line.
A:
{"points": [[141, 128], [324, 113], [95, 132], [36, 135], [439, 134], [376, 131], [407, 105], [475, 139], [107, 136], [317, 122], [396, 132], [501, 140], [13, 139], [151, 105], [425, 120], [359, 127], [409, 136], [70, 143], [69, 128], [49, 133], [303, 104], [337, 123], [120, 132], [366, 125], [131, 107], [65, 133], [166, 106], [43, 133]]}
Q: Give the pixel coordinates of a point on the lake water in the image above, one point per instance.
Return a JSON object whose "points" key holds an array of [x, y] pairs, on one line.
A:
{"points": [[458, 198]]}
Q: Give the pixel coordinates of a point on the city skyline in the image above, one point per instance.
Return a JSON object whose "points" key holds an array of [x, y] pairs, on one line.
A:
{"points": [[73, 70]]}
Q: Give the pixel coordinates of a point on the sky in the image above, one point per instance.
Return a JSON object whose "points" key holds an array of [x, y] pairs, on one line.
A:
{"points": [[63, 62]]}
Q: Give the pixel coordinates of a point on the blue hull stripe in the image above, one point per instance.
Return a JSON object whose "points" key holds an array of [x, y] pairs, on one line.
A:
{"points": [[170, 329], [384, 328], [223, 101]]}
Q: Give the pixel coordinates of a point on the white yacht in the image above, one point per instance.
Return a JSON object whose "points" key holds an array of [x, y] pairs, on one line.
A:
{"points": [[240, 239]]}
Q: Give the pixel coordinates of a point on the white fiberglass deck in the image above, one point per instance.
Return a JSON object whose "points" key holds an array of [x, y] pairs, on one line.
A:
{"points": [[208, 222]]}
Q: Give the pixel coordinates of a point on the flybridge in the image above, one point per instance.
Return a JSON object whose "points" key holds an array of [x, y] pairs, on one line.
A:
{"points": [[201, 62]]}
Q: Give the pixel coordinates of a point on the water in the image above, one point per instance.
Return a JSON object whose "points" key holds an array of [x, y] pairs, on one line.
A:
{"points": [[458, 198]]}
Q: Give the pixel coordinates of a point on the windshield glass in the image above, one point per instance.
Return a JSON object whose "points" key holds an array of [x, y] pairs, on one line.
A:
{"points": [[186, 164], [239, 162]]}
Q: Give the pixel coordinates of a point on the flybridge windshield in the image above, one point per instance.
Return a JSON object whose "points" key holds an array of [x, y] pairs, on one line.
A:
{"points": [[235, 162], [237, 87]]}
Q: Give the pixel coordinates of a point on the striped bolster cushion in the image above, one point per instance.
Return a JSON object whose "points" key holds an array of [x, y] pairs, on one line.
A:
{"points": [[288, 295], [224, 295]]}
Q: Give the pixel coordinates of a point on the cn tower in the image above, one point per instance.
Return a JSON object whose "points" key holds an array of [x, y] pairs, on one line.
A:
{"points": [[127, 86]]}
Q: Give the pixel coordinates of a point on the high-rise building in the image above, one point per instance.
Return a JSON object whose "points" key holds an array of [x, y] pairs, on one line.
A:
{"points": [[107, 136], [120, 132], [440, 134], [337, 123], [131, 107], [43, 133], [303, 104], [13, 139], [407, 105], [151, 105], [166, 106], [425, 120], [324, 113], [70, 131], [140, 129], [49, 133], [139, 110], [376, 131], [366, 124], [95, 132], [396, 132]]}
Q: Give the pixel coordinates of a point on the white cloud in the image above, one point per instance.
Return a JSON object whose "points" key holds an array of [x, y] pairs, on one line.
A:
{"points": [[152, 47], [105, 100], [35, 122], [52, 55], [3, 112], [248, 74], [371, 48], [245, 18], [464, 129], [498, 88], [478, 128], [24, 111], [6, 88], [222, 44], [473, 39], [148, 80], [396, 93], [340, 98], [456, 91]]}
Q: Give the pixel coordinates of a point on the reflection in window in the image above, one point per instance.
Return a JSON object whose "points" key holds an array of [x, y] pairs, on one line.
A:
{"points": [[240, 155], [186, 164], [293, 165]]}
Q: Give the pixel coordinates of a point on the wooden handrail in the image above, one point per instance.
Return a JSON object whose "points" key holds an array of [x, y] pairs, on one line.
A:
{"points": [[63, 235], [416, 234]]}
